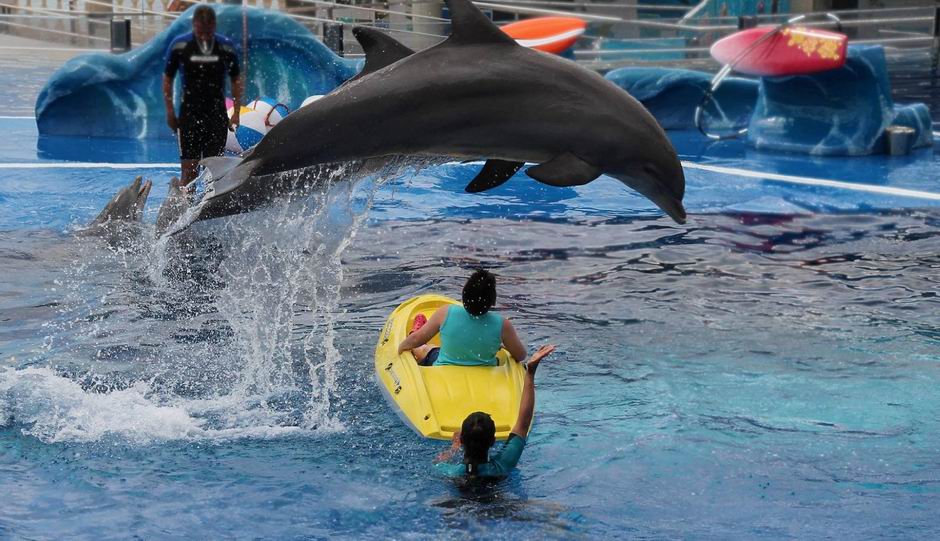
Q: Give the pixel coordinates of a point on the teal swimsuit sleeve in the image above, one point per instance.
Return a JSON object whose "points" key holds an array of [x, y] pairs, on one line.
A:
{"points": [[448, 469], [507, 457]]}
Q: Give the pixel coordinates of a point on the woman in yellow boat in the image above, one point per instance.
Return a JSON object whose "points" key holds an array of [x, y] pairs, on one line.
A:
{"points": [[478, 433], [470, 334]]}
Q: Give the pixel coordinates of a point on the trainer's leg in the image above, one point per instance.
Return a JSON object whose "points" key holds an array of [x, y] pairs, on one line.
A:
{"points": [[188, 168], [190, 153]]}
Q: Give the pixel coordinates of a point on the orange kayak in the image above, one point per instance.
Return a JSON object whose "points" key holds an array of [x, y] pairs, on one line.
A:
{"points": [[548, 34]]}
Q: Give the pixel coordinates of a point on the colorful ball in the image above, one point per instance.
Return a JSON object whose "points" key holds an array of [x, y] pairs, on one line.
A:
{"points": [[272, 110], [250, 130], [255, 120]]}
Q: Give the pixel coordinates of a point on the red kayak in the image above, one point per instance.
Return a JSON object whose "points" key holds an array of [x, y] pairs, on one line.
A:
{"points": [[792, 50], [549, 34]]}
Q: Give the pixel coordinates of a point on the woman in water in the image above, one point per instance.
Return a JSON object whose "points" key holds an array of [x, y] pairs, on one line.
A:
{"points": [[478, 434], [470, 334]]}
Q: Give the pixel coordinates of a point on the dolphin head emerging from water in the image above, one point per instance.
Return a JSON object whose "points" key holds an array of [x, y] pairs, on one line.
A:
{"points": [[477, 95], [119, 221], [127, 205]]}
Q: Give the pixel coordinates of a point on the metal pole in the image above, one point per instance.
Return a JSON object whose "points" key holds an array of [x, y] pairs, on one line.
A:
{"points": [[244, 48], [692, 13], [935, 61], [333, 36]]}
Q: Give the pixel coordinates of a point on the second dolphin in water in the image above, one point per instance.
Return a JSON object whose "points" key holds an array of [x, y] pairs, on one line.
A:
{"points": [[477, 95]]}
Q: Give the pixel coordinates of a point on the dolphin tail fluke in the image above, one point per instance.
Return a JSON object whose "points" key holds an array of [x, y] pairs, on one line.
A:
{"points": [[493, 174], [564, 170]]}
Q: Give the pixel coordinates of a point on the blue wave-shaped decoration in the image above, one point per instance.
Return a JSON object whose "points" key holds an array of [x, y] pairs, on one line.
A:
{"points": [[840, 112], [671, 95], [120, 95]]}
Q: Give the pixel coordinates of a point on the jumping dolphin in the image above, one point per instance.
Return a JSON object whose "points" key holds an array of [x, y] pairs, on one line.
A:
{"points": [[477, 95]]}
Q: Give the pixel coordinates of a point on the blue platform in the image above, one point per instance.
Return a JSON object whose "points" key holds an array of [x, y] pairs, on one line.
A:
{"points": [[842, 112], [120, 95]]}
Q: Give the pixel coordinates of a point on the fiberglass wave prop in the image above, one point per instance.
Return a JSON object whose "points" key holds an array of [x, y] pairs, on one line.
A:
{"points": [[109, 95], [672, 94], [840, 112]]}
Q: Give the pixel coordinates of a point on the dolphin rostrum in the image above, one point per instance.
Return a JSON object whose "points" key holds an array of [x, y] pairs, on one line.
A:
{"points": [[476, 95]]}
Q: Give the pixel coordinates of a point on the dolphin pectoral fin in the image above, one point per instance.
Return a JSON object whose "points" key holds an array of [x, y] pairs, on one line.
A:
{"points": [[564, 170], [380, 48], [220, 166], [470, 26], [493, 174]]}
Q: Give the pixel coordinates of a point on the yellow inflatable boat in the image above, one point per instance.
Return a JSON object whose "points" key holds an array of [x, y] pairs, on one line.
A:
{"points": [[434, 400]]}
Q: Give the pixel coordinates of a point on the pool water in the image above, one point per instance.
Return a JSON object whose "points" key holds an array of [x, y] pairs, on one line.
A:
{"points": [[768, 370]]}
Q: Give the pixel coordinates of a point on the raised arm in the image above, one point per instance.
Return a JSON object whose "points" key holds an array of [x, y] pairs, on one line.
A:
{"points": [[511, 341], [527, 402], [426, 333]]}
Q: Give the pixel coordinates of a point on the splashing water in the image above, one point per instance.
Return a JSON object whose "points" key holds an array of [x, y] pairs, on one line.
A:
{"points": [[225, 332]]}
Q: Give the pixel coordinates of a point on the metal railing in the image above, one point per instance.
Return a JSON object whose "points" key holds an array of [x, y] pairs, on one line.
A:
{"points": [[620, 33]]}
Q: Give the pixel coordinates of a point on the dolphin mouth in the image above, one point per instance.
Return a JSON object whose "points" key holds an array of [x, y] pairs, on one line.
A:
{"points": [[144, 191], [654, 190], [142, 194]]}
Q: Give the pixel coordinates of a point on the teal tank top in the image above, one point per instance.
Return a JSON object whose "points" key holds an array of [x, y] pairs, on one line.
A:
{"points": [[470, 340]]}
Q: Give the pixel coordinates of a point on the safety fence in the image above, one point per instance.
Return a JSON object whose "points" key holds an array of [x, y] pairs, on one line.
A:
{"points": [[620, 32]]}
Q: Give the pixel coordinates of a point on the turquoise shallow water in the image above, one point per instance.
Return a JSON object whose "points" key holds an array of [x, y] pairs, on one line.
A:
{"points": [[768, 370]]}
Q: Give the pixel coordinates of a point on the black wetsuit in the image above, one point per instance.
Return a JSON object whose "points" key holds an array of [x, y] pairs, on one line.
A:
{"points": [[202, 120]]}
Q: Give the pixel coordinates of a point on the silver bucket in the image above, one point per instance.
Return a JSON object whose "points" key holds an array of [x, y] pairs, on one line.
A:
{"points": [[899, 140]]}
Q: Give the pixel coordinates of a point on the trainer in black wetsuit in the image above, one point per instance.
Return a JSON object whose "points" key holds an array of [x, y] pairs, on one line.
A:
{"points": [[204, 58]]}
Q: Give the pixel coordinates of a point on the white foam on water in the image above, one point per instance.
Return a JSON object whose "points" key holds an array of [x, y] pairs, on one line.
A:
{"points": [[131, 362], [54, 409]]}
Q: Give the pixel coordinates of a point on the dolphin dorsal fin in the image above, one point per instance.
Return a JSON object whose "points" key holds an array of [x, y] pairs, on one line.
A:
{"points": [[470, 26], [380, 48]]}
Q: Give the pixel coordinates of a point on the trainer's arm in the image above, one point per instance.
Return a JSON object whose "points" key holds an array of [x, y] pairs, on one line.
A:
{"points": [[238, 89], [171, 119], [426, 333], [527, 402], [512, 343]]}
